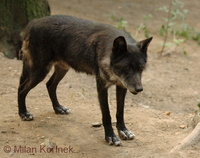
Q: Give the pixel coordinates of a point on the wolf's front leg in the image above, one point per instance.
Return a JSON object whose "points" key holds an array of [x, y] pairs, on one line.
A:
{"points": [[124, 133], [110, 136]]}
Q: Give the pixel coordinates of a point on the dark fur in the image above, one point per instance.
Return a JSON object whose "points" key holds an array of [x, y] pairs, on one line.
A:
{"points": [[112, 55]]}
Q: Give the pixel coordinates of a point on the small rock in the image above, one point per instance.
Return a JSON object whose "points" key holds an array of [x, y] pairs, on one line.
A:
{"points": [[42, 137], [3, 131], [96, 124], [168, 113], [11, 153], [143, 105], [48, 143], [183, 126], [68, 85]]}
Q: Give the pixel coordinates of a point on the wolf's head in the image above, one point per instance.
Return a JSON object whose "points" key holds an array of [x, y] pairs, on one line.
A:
{"points": [[128, 62]]}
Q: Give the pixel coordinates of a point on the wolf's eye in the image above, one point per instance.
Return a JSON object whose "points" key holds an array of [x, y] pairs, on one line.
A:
{"points": [[127, 67]]}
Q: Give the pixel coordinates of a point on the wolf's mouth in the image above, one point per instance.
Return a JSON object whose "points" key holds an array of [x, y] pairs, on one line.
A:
{"points": [[134, 92]]}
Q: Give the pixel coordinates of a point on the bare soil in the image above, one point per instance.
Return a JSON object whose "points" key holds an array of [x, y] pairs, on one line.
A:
{"points": [[160, 116]]}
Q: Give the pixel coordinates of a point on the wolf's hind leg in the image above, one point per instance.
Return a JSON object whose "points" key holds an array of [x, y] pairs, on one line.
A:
{"points": [[29, 79], [52, 84]]}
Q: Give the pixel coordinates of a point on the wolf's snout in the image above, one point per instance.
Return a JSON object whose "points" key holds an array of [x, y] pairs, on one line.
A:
{"points": [[139, 89], [136, 90]]}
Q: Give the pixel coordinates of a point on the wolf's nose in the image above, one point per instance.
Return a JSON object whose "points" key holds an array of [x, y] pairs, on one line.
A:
{"points": [[139, 89]]}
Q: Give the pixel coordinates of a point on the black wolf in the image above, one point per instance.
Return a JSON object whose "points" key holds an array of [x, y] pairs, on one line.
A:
{"points": [[65, 42]]}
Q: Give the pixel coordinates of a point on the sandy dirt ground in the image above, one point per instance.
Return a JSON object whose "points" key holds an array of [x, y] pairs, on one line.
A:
{"points": [[160, 116]]}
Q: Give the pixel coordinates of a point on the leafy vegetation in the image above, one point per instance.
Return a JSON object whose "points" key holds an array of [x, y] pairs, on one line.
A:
{"points": [[121, 22], [175, 23], [198, 105], [143, 27], [174, 27]]}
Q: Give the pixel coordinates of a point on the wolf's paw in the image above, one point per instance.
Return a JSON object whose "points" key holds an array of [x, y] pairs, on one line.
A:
{"points": [[125, 134], [113, 140], [61, 110], [26, 116]]}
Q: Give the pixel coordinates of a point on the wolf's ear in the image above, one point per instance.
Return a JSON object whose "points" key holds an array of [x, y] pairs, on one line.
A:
{"points": [[143, 45], [119, 45]]}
